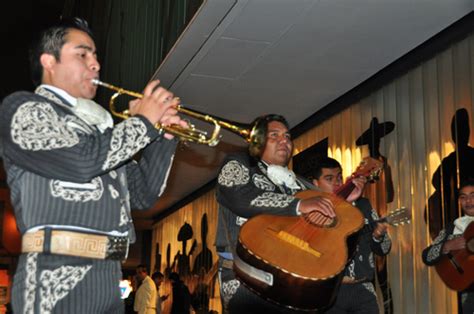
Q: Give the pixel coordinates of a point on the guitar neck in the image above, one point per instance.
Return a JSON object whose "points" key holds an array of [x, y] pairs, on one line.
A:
{"points": [[344, 190]]}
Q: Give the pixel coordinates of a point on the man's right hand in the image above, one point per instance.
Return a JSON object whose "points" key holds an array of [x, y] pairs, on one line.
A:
{"points": [[319, 204], [454, 244], [157, 104]]}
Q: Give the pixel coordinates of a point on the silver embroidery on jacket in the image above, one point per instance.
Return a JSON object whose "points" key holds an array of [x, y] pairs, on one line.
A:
{"points": [[270, 199], [50, 95], [233, 173], [263, 183], [374, 214], [123, 216], [128, 137], [56, 284], [165, 181], [113, 192], [351, 269], [371, 260], [386, 244], [77, 192], [229, 288], [36, 126], [435, 250]]}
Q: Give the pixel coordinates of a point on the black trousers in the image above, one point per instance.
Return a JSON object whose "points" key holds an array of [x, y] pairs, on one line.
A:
{"points": [[60, 284], [237, 299], [467, 302], [355, 298]]}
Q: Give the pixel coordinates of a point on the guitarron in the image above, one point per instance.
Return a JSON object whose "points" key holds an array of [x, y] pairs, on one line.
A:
{"points": [[302, 263]]}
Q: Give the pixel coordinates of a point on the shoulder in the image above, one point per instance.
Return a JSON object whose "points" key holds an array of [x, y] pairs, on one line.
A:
{"points": [[18, 98], [240, 157], [237, 162], [27, 102]]}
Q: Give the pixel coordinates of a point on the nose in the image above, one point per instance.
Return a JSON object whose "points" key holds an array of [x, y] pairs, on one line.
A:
{"points": [[283, 139], [469, 200], [94, 65]]}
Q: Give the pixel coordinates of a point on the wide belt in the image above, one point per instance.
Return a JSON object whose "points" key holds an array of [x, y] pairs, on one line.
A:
{"points": [[74, 243]]}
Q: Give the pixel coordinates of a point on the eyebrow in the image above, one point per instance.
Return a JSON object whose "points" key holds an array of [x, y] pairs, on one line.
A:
{"points": [[279, 131], [88, 48]]}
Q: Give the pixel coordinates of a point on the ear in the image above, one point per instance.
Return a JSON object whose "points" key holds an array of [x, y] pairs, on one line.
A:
{"points": [[315, 182], [47, 61]]}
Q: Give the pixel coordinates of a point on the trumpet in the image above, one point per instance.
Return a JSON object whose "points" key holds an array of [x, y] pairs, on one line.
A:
{"points": [[190, 134]]}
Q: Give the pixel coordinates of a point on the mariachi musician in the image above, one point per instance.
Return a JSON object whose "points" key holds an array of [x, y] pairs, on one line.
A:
{"points": [[450, 240], [357, 292], [254, 183]]}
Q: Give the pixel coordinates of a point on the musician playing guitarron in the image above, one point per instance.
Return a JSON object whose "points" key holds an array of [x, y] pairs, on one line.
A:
{"points": [[254, 183], [450, 250]]}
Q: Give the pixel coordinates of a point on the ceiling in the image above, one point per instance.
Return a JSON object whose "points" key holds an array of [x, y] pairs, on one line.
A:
{"points": [[239, 59]]}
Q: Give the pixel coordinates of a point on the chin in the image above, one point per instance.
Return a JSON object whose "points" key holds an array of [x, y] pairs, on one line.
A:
{"points": [[89, 95]]}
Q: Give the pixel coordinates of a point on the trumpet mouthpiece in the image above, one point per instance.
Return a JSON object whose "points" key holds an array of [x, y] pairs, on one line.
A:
{"points": [[96, 81]]}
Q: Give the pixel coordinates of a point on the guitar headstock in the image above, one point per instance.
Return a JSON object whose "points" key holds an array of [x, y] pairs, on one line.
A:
{"points": [[399, 216], [369, 168]]}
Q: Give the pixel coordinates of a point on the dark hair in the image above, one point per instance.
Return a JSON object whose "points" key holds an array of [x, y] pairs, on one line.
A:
{"points": [[156, 275], [466, 182], [142, 268], [174, 276], [323, 162], [259, 132], [51, 41]]}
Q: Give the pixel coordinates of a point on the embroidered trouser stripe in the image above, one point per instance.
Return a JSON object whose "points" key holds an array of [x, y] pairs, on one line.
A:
{"points": [[57, 284]]}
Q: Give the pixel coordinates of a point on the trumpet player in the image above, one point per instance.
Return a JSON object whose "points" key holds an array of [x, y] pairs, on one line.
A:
{"points": [[72, 177]]}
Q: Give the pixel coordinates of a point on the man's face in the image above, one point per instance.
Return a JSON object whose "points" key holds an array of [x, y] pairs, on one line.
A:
{"points": [[330, 180], [76, 67], [140, 274], [466, 199], [158, 282], [279, 147]]}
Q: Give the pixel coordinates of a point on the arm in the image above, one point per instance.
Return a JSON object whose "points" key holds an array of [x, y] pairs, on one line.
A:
{"points": [[247, 193], [433, 253], [147, 177], [380, 242], [47, 140]]}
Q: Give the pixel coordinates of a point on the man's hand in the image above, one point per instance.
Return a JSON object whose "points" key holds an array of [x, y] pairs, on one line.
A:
{"points": [[319, 204], [359, 183], [171, 118], [454, 244], [379, 231], [157, 105]]}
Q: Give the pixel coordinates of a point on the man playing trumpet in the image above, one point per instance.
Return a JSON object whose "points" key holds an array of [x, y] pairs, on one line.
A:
{"points": [[72, 177]]}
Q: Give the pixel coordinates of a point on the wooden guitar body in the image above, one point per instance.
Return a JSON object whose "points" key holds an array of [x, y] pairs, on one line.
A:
{"points": [[457, 268], [306, 271]]}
